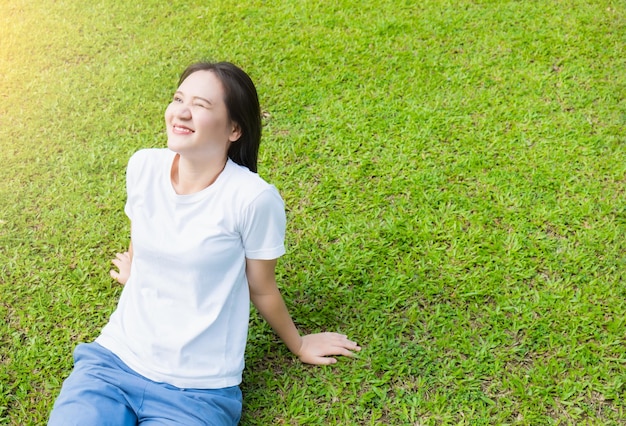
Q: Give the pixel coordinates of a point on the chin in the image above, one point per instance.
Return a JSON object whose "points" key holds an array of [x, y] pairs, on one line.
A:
{"points": [[175, 145]]}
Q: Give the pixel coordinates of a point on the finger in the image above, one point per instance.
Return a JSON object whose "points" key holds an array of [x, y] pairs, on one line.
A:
{"points": [[338, 336], [339, 350], [114, 274], [353, 346], [122, 256], [345, 342], [322, 360], [338, 345], [345, 352], [342, 338]]}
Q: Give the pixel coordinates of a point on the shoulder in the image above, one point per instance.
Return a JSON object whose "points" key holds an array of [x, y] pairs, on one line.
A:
{"points": [[149, 161], [146, 166], [149, 156], [249, 184], [250, 194]]}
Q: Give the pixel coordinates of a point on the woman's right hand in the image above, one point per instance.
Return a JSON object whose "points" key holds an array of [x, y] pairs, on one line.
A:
{"points": [[122, 261]]}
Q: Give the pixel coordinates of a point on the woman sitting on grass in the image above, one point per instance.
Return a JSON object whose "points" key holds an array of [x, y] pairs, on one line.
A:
{"points": [[206, 232]]}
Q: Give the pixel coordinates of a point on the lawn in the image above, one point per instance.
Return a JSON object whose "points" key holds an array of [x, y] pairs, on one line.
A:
{"points": [[454, 175]]}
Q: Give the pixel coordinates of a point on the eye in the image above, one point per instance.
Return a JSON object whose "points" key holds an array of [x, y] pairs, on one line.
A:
{"points": [[201, 105], [177, 99]]}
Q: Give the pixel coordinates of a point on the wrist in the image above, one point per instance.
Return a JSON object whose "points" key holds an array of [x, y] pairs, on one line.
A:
{"points": [[296, 346]]}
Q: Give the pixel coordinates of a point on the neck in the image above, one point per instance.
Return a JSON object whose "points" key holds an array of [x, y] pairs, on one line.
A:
{"points": [[190, 176]]}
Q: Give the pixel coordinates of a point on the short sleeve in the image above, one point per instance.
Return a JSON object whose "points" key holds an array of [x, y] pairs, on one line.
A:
{"points": [[131, 181], [263, 228]]}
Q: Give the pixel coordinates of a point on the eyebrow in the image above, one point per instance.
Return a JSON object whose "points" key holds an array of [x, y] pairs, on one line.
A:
{"points": [[178, 92]]}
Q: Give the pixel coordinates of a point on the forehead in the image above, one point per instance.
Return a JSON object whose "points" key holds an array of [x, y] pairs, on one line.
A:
{"points": [[202, 83]]}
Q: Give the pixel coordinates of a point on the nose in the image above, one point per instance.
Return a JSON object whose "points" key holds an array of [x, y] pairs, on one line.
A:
{"points": [[183, 111]]}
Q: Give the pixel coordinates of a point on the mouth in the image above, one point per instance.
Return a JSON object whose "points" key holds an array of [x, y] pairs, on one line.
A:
{"points": [[181, 130]]}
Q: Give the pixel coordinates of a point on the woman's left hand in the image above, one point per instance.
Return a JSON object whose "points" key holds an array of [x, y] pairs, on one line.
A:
{"points": [[316, 348]]}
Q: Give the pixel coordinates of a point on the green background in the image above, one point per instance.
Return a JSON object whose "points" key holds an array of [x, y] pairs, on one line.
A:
{"points": [[454, 174]]}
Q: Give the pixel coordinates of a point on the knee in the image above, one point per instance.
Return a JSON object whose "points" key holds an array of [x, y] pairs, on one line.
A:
{"points": [[81, 413]]}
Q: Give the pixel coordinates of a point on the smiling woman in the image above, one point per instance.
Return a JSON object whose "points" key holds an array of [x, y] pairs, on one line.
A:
{"points": [[206, 235], [239, 96], [453, 175], [200, 130]]}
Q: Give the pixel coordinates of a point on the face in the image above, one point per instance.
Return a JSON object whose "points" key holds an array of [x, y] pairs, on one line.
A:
{"points": [[197, 120]]}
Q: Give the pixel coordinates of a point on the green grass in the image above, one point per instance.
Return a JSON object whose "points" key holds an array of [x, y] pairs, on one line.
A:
{"points": [[454, 174]]}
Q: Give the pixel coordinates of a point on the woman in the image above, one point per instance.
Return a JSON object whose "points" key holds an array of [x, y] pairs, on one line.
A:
{"points": [[206, 232]]}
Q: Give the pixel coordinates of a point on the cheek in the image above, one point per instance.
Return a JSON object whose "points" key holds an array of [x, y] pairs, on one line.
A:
{"points": [[206, 123], [168, 113]]}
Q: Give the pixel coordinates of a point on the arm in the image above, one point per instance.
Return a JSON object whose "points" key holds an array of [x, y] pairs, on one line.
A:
{"points": [[122, 261], [312, 348]]}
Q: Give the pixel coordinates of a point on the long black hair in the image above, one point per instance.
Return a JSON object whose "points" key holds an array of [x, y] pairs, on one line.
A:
{"points": [[242, 104]]}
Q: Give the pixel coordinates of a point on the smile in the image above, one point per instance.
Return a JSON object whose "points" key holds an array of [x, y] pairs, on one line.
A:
{"points": [[182, 130]]}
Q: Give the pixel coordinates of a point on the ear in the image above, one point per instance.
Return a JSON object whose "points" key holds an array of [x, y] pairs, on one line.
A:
{"points": [[235, 132]]}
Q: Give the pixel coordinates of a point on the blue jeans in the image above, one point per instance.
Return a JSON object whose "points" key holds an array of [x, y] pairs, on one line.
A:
{"points": [[102, 391]]}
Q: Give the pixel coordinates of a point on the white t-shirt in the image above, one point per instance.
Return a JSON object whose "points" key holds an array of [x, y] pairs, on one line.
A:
{"points": [[183, 315]]}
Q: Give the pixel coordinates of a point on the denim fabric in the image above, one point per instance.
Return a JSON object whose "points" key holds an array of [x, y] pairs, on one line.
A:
{"points": [[102, 391]]}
